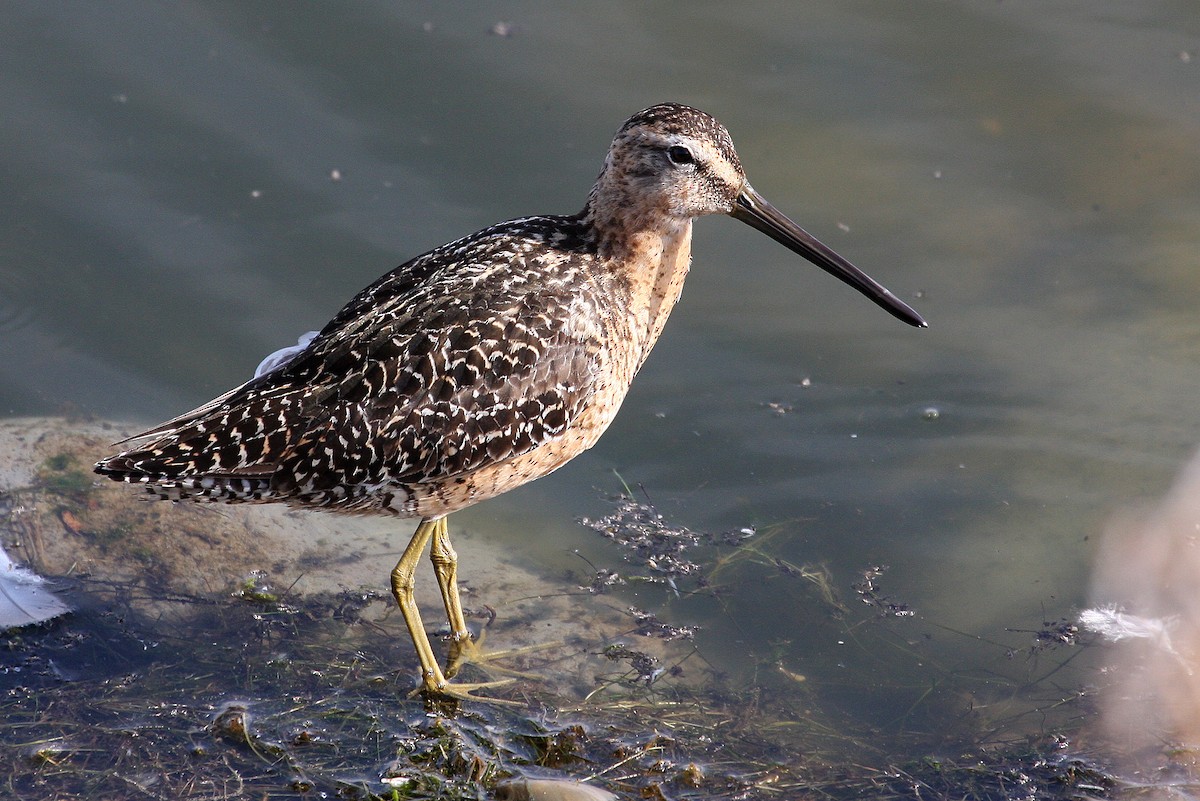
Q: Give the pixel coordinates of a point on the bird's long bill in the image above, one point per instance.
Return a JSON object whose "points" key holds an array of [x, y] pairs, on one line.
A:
{"points": [[756, 212]]}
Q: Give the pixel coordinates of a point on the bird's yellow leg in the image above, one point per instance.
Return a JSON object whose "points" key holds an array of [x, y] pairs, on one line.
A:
{"points": [[445, 565], [463, 648], [403, 583]]}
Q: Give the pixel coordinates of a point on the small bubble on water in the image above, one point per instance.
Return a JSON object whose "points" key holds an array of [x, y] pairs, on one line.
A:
{"points": [[931, 413]]}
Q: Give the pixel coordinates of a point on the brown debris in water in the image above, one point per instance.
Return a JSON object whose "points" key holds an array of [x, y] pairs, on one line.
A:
{"points": [[868, 592]]}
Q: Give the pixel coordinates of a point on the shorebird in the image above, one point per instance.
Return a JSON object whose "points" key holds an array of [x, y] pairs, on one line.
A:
{"points": [[478, 366]]}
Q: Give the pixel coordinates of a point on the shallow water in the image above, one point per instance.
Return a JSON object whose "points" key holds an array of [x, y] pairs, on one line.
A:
{"points": [[1023, 174]]}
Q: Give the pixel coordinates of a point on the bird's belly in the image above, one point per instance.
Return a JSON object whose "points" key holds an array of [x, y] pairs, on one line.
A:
{"points": [[458, 492]]}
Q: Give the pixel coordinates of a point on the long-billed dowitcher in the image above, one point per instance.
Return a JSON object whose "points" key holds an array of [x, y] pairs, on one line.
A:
{"points": [[480, 365]]}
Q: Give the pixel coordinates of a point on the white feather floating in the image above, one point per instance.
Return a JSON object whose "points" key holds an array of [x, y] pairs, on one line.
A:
{"points": [[1115, 624]]}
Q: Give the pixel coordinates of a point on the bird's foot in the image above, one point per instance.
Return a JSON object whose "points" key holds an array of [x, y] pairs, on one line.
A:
{"points": [[469, 651], [438, 687]]}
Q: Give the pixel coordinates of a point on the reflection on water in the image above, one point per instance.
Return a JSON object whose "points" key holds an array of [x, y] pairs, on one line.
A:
{"points": [[171, 217]]}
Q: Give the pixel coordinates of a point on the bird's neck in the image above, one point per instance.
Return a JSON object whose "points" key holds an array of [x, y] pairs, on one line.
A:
{"points": [[649, 252], [667, 255]]}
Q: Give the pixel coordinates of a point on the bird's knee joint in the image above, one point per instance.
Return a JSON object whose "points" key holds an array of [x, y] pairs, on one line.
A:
{"points": [[403, 583], [443, 557]]}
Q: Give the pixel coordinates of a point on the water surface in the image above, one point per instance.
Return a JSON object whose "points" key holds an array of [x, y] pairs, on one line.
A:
{"points": [[190, 186]]}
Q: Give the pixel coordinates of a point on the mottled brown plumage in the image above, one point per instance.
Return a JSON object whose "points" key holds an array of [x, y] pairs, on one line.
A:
{"points": [[480, 365]]}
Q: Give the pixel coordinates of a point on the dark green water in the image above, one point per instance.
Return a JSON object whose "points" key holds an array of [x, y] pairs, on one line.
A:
{"points": [[1025, 174]]}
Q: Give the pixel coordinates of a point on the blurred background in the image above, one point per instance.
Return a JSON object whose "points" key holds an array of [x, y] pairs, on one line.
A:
{"points": [[190, 186]]}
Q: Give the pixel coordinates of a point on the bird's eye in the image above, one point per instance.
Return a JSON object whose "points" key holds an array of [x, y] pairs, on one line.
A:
{"points": [[678, 154]]}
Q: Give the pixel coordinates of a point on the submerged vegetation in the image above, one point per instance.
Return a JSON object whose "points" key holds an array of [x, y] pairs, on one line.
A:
{"points": [[266, 701]]}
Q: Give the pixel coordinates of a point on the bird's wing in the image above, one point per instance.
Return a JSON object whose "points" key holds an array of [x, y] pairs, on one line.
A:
{"points": [[468, 355]]}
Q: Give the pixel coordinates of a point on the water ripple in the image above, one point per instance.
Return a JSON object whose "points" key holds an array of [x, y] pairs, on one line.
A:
{"points": [[16, 310]]}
